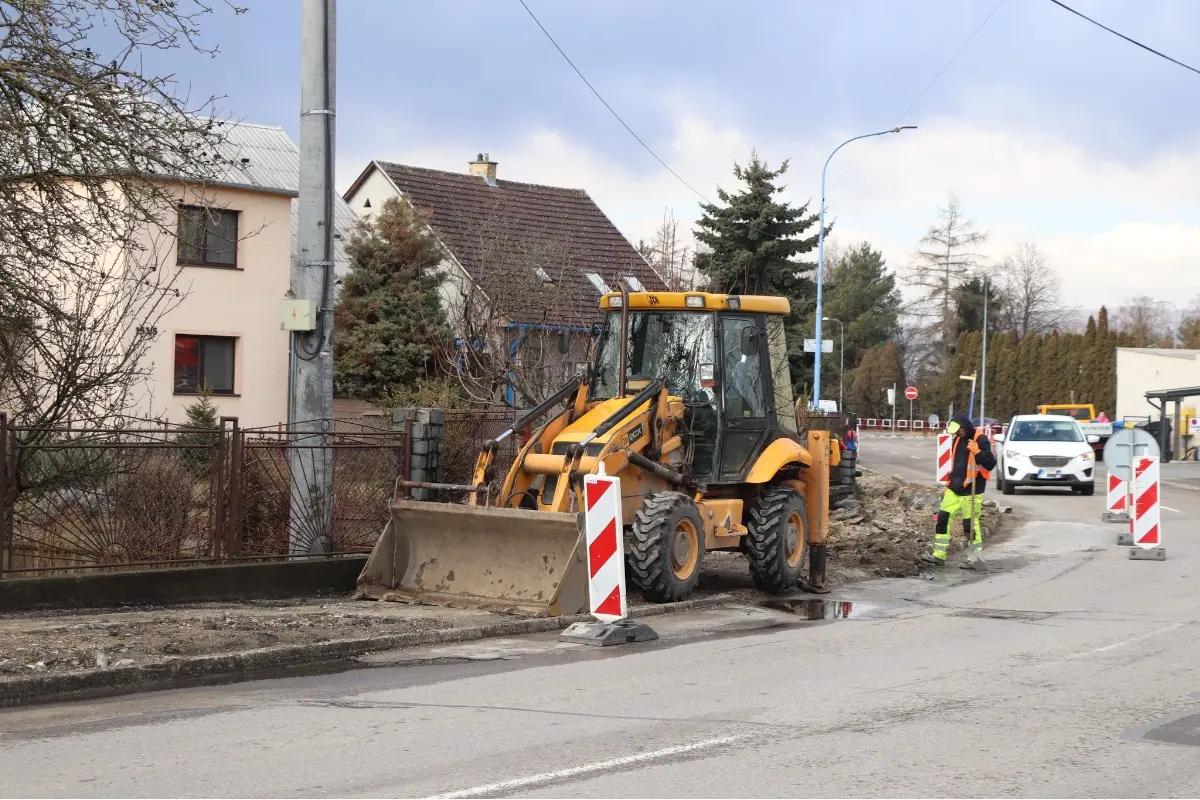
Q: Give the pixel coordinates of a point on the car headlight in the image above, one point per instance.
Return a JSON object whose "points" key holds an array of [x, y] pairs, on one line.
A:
{"points": [[1013, 454], [1088, 456]]}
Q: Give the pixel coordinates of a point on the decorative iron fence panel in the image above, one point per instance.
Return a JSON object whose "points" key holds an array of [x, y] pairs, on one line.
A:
{"points": [[152, 495]]}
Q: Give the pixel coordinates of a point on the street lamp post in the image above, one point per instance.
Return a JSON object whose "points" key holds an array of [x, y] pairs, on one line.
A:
{"points": [[821, 256], [971, 405], [842, 365]]}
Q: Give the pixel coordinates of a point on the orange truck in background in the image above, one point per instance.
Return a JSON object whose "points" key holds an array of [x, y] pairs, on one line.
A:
{"points": [[1085, 415]]}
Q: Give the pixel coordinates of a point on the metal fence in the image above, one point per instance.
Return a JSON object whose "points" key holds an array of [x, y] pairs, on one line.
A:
{"points": [[466, 432], [153, 495]]}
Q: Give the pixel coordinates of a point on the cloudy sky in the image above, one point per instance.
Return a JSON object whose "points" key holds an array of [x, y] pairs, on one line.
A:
{"points": [[1048, 128]]}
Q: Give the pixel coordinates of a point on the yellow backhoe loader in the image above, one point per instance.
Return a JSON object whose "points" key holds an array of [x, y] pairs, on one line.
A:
{"points": [[688, 401]]}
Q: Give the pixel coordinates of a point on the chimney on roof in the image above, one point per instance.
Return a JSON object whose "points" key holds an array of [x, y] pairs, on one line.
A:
{"points": [[483, 167]]}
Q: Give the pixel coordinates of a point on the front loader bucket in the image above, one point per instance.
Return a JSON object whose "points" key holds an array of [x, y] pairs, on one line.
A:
{"points": [[501, 559]]}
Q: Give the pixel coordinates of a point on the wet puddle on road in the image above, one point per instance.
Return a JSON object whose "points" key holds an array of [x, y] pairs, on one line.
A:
{"points": [[811, 609]]}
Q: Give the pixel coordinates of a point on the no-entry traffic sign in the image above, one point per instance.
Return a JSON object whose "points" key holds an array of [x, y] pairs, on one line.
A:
{"points": [[911, 393]]}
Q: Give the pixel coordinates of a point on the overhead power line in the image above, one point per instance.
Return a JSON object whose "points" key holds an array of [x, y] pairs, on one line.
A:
{"points": [[1126, 38], [953, 58], [611, 110]]}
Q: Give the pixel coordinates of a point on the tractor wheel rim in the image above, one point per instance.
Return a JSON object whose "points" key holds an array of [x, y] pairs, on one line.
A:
{"points": [[685, 549], [793, 547]]}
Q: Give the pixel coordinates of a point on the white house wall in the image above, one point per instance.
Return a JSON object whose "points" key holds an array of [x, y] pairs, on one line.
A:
{"points": [[1143, 370], [243, 303]]}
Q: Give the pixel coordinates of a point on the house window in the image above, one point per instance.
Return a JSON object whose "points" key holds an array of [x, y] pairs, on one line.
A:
{"points": [[208, 236], [204, 359], [543, 276]]}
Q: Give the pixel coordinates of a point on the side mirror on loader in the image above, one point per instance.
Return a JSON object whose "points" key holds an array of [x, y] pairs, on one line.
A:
{"points": [[749, 343]]}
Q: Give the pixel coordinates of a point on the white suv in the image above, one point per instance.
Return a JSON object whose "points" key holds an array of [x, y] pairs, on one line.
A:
{"points": [[1045, 450]]}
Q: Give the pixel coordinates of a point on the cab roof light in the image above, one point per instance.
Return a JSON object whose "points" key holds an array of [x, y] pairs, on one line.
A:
{"points": [[735, 303], [615, 302], [694, 301]]}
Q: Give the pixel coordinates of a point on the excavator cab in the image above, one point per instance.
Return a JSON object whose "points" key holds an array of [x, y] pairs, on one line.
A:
{"points": [[688, 400]]}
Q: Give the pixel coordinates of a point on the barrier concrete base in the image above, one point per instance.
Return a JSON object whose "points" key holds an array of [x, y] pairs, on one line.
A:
{"points": [[1148, 554], [603, 634]]}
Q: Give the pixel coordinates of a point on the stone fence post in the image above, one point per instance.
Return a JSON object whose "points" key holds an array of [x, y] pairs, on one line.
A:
{"points": [[428, 433]]}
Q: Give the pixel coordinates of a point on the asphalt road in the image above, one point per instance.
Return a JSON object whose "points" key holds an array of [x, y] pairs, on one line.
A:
{"points": [[1068, 671]]}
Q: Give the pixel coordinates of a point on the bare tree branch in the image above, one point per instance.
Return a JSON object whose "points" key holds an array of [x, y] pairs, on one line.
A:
{"points": [[1030, 288], [947, 259], [1146, 321], [507, 320]]}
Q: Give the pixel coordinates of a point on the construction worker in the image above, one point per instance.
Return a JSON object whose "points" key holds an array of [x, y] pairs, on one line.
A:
{"points": [[971, 462]]}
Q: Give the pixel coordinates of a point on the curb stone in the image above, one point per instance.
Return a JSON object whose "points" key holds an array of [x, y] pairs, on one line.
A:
{"points": [[81, 684], [1185, 486]]}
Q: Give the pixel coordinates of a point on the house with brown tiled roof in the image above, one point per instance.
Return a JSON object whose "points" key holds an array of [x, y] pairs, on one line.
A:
{"points": [[524, 262]]}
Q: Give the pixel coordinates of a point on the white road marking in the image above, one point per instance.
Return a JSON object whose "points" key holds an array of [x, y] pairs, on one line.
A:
{"points": [[585, 769], [1114, 646], [1168, 508], [918, 458], [893, 452]]}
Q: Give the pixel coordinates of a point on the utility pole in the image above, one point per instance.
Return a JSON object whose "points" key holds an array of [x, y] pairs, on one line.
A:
{"points": [[983, 370], [310, 406]]}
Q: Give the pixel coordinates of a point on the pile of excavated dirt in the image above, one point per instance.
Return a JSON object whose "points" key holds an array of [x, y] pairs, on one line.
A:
{"points": [[883, 530], [878, 533]]}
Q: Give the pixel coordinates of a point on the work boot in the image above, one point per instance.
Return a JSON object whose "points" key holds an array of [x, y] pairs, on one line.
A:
{"points": [[979, 565], [927, 558]]}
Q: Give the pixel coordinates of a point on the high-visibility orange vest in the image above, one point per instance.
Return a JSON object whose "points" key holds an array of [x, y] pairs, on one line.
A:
{"points": [[972, 468]]}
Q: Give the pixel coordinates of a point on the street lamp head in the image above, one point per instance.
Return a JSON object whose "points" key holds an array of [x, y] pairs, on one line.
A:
{"points": [[899, 128]]}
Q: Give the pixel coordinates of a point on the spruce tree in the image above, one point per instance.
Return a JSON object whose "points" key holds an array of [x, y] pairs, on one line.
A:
{"points": [[200, 439], [389, 321], [751, 243], [861, 292]]}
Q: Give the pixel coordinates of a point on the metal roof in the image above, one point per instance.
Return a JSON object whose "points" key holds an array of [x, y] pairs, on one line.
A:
{"points": [[1173, 394], [272, 164], [1170, 352]]}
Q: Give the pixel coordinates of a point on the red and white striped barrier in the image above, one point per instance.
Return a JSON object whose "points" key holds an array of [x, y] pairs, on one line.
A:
{"points": [[944, 443], [1144, 522], [606, 548], [918, 425], [871, 423], [887, 423], [1115, 510], [901, 424]]}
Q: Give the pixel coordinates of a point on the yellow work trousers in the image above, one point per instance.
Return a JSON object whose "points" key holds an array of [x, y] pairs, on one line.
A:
{"points": [[956, 505]]}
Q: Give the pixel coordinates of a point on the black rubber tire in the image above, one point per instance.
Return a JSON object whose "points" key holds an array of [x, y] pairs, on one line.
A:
{"points": [[848, 468], [766, 539], [650, 557], [1088, 490], [1007, 488], [840, 492]]}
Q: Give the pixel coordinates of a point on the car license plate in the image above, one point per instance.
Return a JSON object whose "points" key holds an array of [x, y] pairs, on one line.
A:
{"points": [[1050, 475]]}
